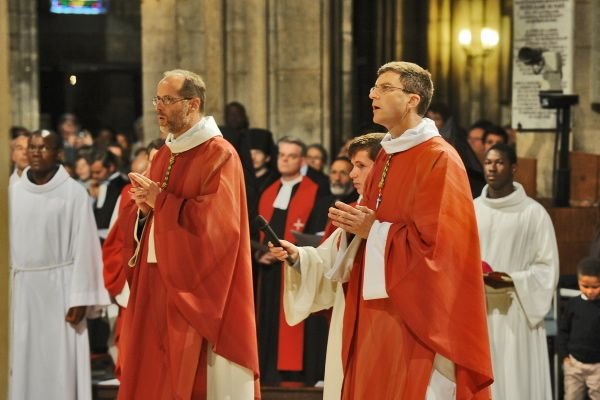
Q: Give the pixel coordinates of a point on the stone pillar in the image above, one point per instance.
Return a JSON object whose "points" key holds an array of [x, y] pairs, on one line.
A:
{"points": [[181, 34], [586, 81], [24, 63], [298, 60], [340, 69], [5, 122], [273, 57], [246, 65]]}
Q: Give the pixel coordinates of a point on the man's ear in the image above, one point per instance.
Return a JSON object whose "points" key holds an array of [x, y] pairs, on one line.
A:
{"points": [[414, 101], [196, 103]]}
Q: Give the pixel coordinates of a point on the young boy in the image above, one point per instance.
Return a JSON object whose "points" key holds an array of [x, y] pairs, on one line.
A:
{"points": [[579, 336]]}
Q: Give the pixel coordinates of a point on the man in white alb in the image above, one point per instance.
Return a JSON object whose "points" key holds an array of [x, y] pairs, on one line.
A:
{"points": [[518, 242], [56, 273]]}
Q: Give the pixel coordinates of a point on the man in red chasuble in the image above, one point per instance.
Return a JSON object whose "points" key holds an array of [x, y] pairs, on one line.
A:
{"points": [[415, 323], [288, 353], [189, 331]]}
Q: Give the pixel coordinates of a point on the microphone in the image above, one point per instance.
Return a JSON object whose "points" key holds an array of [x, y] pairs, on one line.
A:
{"points": [[264, 226]]}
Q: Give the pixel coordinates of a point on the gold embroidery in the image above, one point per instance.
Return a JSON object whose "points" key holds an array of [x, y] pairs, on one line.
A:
{"points": [[165, 182], [382, 180]]}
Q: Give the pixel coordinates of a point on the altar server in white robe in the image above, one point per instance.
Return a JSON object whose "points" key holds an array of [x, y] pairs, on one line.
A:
{"points": [[314, 282], [518, 242], [56, 273]]}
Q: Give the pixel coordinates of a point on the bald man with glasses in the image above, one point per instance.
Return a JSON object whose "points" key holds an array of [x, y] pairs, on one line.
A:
{"points": [[189, 331]]}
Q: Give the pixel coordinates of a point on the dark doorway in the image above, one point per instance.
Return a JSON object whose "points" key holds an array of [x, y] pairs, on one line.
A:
{"points": [[90, 65]]}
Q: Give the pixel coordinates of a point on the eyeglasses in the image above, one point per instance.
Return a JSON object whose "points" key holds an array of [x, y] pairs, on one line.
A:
{"points": [[42, 149], [167, 100], [387, 89]]}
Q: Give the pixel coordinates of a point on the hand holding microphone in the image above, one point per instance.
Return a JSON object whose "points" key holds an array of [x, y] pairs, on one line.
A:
{"points": [[282, 249]]}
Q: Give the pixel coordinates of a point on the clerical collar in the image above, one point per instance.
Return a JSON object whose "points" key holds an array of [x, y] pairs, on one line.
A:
{"points": [[204, 130], [412, 137], [282, 201], [59, 177], [513, 199]]}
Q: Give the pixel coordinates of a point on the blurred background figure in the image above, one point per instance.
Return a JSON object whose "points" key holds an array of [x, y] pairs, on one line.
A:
{"points": [[140, 161], [68, 128], [494, 135], [16, 131], [236, 117], [475, 137], [440, 114], [340, 184], [316, 157], [105, 137], [261, 150], [83, 171], [18, 154]]}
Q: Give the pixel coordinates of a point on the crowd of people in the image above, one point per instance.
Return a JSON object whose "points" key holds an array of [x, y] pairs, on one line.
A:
{"points": [[431, 281]]}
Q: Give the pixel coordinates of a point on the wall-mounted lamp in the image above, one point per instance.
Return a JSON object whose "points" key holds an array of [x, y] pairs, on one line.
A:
{"points": [[488, 40], [477, 50]]}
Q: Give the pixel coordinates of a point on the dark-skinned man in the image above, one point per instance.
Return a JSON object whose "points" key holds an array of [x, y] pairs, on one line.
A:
{"points": [[56, 271], [518, 242]]}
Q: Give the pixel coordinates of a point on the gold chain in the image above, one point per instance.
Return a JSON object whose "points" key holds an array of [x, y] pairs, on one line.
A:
{"points": [[382, 180], [169, 168]]}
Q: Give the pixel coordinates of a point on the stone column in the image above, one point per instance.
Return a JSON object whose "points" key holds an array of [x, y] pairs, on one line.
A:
{"points": [[181, 34], [586, 81], [246, 60], [298, 60], [5, 122], [24, 70], [274, 57]]}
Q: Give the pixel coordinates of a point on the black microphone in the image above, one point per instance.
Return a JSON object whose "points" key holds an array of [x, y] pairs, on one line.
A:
{"points": [[264, 226]]}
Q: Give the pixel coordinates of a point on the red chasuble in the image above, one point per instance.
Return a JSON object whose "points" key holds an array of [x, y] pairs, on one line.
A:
{"points": [[115, 270], [433, 279], [114, 267], [199, 293], [290, 348]]}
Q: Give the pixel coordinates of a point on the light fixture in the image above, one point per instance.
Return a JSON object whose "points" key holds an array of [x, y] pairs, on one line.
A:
{"points": [[488, 40], [464, 37], [73, 80]]}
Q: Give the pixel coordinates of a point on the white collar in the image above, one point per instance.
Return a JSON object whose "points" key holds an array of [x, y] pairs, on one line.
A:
{"points": [[514, 198], [282, 201], [204, 130], [58, 179], [412, 137]]}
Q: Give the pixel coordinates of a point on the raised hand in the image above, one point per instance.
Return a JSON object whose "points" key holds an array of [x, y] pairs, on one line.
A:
{"points": [[356, 220]]}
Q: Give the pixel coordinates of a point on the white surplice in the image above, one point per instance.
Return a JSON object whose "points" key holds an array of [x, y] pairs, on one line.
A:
{"points": [[311, 289], [517, 237], [56, 264]]}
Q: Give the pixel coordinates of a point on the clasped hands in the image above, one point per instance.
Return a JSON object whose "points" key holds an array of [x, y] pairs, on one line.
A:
{"points": [[356, 220], [144, 191]]}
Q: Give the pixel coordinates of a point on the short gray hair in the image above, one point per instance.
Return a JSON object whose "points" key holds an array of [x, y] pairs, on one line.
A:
{"points": [[415, 79], [193, 85]]}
